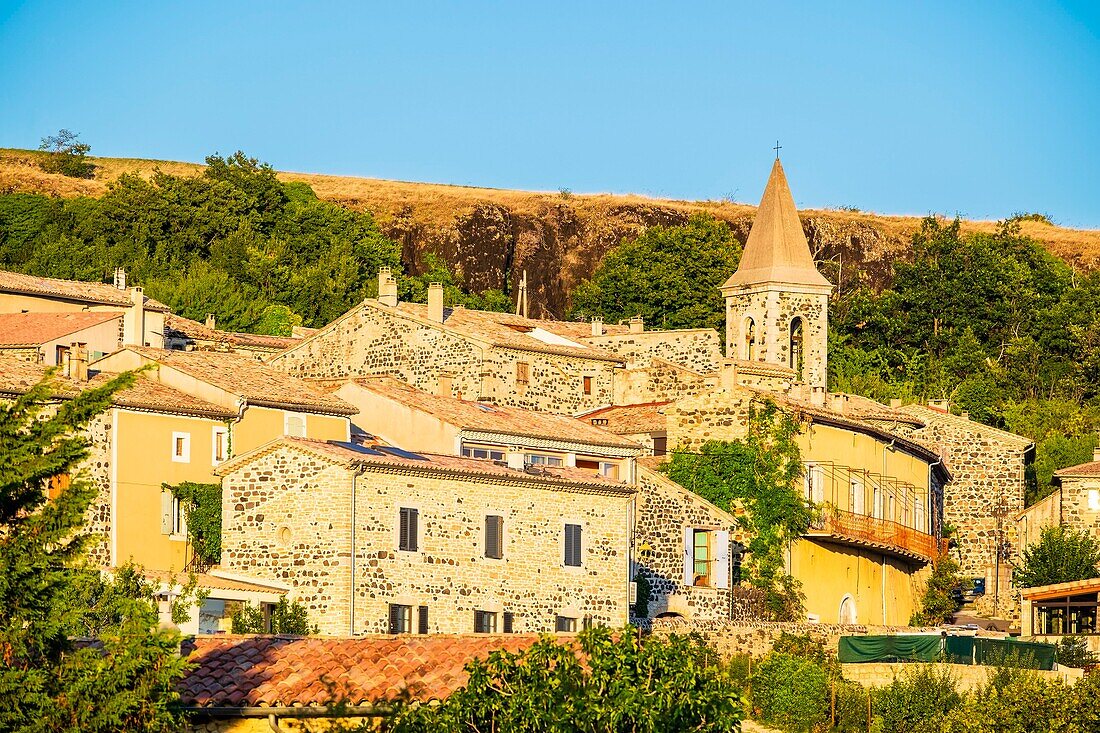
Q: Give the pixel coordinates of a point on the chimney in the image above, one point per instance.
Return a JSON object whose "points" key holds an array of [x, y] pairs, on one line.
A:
{"points": [[1096, 454], [940, 404], [211, 322], [78, 361], [837, 402], [818, 395], [135, 318], [435, 302], [516, 458], [895, 402], [120, 278], [965, 415], [637, 324], [387, 288], [597, 326]]}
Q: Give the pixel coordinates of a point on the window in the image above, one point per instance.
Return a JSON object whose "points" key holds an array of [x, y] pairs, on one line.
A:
{"points": [[407, 531], [220, 449], [446, 385], [294, 425], [706, 557], [876, 507], [1094, 500], [493, 455], [660, 445], [857, 499], [535, 459], [609, 470], [485, 622], [565, 625], [61, 359], [587, 381], [750, 340], [573, 545], [796, 348], [422, 620], [815, 483], [509, 622], [494, 536], [181, 447], [523, 372], [173, 518], [918, 515], [400, 619]]}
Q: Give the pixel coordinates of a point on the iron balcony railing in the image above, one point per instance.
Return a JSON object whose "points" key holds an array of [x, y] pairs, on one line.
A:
{"points": [[863, 529]]}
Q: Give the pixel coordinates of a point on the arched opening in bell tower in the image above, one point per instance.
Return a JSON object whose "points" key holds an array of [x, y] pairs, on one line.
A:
{"points": [[750, 340], [797, 348]]}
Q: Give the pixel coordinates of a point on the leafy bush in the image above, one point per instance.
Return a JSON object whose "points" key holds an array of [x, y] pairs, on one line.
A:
{"points": [[940, 599], [1061, 555], [790, 692], [1019, 700], [918, 700], [65, 154], [287, 617], [1073, 651], [624, 683]]}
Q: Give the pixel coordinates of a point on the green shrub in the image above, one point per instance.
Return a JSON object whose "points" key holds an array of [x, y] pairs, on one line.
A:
{"points": [[1019, 701], [917, 699], [791, 693], [287, 617]]}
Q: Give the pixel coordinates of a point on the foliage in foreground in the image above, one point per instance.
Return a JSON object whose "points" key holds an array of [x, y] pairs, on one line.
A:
{"points": [[1060, 555], [126, 680], [605, 681], [760, 472], [287, 617], [940, 599]]}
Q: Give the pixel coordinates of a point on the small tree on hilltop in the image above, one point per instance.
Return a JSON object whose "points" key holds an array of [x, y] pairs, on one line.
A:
{"points": [[126, 679], [1060, 555], [66, 155]]}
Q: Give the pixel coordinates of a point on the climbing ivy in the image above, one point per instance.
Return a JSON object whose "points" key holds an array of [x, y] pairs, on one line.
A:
{"points": [[202, 505], [760, 472]]}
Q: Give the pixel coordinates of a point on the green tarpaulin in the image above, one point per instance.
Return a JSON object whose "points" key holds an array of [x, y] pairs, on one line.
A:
{"points": [[911, 647], [956, 649]]}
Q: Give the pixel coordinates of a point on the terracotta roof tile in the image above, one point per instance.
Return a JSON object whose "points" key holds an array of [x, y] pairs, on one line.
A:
{"points": [[1092, 468], [350, 455], [17, 377], [34, 329], [181, 327], [210, 581], [491, 417], [278, 671], [257, 382], [79, 290], [630, 419]]}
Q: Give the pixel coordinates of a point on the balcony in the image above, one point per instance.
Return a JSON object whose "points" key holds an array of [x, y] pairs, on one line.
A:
{"points": [[860, 530]]}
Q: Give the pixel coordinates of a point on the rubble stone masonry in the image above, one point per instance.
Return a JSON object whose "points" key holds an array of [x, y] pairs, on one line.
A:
{"points": [[288, 516], [694, 349]]}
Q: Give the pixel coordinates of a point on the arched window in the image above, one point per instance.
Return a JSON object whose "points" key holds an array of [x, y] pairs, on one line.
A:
{"points": [[798, 358], [750, 339], [847, 610]]}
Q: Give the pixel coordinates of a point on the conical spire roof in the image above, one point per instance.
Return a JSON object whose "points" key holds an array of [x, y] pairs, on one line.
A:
{"points": [[777, 250]]}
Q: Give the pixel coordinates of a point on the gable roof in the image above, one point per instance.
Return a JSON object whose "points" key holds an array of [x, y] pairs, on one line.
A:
{"points": [[283, 671], [491, 417], [932, 414], [354, 457], [630, 419], [17, 377], [35, 329], [78, 290], [1081, 470], [244, 376], [180, 327], [777, 250]]}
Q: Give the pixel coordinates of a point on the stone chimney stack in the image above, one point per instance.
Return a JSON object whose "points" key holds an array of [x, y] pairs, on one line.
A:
{"points": [[637, 324], [120, 278], [134, 320], [597, 326], [1096, 454], [387, 287], [435, 302], [817, 396], [78, 361], [211, 322]]}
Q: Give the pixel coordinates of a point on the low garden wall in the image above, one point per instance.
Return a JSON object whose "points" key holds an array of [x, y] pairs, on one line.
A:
{"points": [[967, 677]]}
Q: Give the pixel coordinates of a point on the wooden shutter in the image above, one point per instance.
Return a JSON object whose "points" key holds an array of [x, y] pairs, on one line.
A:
{"points": [[573, 545], [721, 566], [689, 556], [407, 534], [509, 620], [395, 619], [422, 620], [166, 512], [494, 536]]}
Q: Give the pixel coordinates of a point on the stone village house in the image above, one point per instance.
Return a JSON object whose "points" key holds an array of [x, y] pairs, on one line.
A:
{"points": [[374, 539]]}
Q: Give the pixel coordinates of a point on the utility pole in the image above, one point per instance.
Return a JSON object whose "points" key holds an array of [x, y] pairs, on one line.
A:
{"points": [[999, 513]]}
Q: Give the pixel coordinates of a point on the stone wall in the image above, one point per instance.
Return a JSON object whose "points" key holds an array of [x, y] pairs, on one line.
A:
{"points": [[664, 509], [1077, 513], [660, 381], [22, 353], [96, 469], [717, 414], [696, 349], [988, 468], [288, 518], [555, 383], [967, 676], [772, 310]]}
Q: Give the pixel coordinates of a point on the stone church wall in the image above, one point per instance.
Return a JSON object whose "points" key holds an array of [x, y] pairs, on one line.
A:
{"points": [[772, 312], [449, 574]]}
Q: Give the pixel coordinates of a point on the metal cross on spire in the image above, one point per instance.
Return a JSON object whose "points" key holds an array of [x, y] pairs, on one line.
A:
{"points": [[776, 149]]}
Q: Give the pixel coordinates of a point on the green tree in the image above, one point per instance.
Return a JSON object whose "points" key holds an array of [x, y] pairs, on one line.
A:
{"points": [[1060, 555], [605, 681], [939, 601], [668, 275], [760, 471], [127, 680], [65, 154]]}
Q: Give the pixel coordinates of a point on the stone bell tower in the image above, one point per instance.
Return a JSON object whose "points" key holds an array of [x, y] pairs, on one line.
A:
{"points": [[777, 303]]}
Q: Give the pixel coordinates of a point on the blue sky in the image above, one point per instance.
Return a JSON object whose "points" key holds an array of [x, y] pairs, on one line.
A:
{"points": [[979, 108]]}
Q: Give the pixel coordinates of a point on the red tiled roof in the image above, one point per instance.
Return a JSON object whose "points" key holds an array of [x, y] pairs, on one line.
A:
{"points": [[210, 581], [181, 327], [277, 671], [1092, 468], [491, 417], [242, 375], [79, 290], [18, 376], [630, 419], [351, 456], [34, 329]]}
